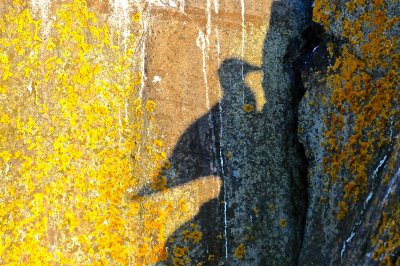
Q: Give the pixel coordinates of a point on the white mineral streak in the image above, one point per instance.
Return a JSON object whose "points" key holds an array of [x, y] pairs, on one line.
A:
{"points": [[243, 36], [216, 6], [205, 52], [207, 49], [119, 128], [7, 168], [392, 186], [381, 162], [126, 109], [142, 7], [369, 197], [182, 6], [156, 79], [120, 18], [243, 26], [218, 45], [145, 27], [176, 4], [41, 7], [201, 43], [30, 87], [345, 243], [221, 158]]}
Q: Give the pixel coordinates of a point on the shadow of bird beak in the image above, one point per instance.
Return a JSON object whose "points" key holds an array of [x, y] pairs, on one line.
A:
{"points": [[251, 68]]}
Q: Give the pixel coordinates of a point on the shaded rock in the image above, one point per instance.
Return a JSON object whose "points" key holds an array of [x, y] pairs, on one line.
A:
{"points": [[259, 215]]}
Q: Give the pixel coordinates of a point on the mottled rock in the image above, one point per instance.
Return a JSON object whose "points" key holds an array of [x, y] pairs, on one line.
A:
{"points": [[349, 124], [259, 215], [210, 167]]}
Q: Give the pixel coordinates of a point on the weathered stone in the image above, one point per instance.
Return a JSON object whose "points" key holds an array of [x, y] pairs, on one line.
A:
{"points": [[259, 215], [352, 187], [235, 185]]}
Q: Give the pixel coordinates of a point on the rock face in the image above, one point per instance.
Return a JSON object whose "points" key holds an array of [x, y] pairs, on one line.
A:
{"points": [[258, 217], [268, 211], [274, 140], [349, 124]]}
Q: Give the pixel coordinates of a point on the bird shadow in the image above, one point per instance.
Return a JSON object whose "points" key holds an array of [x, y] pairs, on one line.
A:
{"points": [[229, 142], [200, 152]]}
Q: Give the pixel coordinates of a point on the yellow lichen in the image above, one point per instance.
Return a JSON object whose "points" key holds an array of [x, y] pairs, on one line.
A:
{"points": [[70, 126], [136, 17], [248, 108]]}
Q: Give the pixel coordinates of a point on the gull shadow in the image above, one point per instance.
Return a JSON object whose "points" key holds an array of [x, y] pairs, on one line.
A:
{"points": [[198, 150], [202, 151], [258, 216]]}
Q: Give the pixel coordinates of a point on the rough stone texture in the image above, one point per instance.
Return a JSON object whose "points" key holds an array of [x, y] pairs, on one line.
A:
{"points": [[184, 51], [352, 209], [227, 78], [258, 217]]}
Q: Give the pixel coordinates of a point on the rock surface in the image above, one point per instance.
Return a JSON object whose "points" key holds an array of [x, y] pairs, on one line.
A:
{"points": [[260, 132], [258, 217], [349, 124]]}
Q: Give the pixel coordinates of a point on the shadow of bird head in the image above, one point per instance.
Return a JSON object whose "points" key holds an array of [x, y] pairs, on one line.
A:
{"points": [[233, 71]]}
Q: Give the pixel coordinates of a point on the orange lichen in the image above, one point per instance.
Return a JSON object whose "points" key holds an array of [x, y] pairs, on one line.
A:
{"points": [[194, 236], [359, 98], [283, 223], [321, 12], [240, 251], [180, 251], [343, 209], [159, 182], [387, 238]]}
